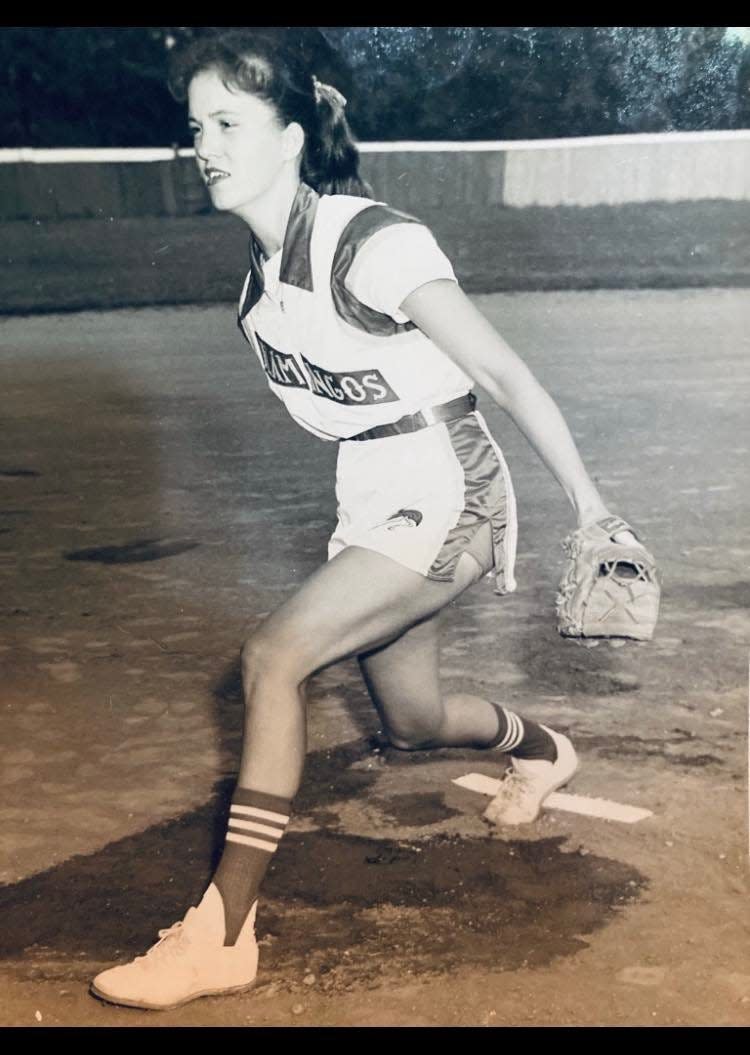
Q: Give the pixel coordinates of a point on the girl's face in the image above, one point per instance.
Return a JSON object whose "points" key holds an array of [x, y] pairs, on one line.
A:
{"points": [[240, 146]]}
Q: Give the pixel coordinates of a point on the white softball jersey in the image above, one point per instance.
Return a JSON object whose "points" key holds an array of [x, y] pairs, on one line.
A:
{"points": [[323, 317]]}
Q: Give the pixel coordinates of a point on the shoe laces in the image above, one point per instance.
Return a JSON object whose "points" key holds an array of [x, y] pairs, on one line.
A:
{"points": [[513, 785], [173, 941]]}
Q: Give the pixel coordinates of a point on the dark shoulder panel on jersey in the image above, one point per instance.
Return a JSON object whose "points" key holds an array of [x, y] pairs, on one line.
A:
{"points": [[254, 289], [296, 267], [361, 227]]}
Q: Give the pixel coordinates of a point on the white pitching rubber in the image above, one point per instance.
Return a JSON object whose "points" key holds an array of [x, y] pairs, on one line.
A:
{"points": [[558, 800]]}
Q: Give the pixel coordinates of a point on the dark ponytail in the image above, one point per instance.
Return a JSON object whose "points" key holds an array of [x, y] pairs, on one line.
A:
{"points": [[330, 160], [267, 64]]}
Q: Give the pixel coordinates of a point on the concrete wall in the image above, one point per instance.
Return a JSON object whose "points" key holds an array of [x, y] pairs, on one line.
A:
{"points": [[658, 168], [30, 191], [100, 189], [423, 178]]}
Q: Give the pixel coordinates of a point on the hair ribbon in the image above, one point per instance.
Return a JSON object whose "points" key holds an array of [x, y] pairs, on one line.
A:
{"points": [[332, 95]]}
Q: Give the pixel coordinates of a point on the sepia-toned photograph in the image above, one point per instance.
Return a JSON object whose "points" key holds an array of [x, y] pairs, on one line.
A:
{"points": [[374, 526]]}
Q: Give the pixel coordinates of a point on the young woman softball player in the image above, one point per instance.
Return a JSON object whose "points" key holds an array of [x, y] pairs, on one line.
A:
{"points": [[356, 318]]}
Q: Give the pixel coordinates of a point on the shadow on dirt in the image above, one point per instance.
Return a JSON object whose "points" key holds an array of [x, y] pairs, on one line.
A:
{"points": [[348, 908], [566, 668]]}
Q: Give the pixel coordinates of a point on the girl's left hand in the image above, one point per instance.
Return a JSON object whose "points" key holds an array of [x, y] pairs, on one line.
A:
{"points": [[625, 538]]}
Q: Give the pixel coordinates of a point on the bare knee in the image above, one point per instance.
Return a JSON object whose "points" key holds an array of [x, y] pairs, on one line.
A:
{"points": [[415, 733], [267, 661]]}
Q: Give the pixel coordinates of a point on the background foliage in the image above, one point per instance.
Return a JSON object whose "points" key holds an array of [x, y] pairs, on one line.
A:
{"points": [[105, 86]]}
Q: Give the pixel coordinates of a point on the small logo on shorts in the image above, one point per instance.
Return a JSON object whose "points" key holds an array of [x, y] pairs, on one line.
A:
{"points": [[405, 517]]}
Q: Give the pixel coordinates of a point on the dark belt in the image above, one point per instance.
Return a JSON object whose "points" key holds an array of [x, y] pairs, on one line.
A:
{"points": [[457, 408]]}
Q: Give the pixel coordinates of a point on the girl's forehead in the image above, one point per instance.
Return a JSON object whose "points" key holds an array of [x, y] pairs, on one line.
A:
{"points": [[208, 94]]}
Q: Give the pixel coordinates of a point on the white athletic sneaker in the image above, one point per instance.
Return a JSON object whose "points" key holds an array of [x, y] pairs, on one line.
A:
{"points": [[189, 961], [528, 783]]}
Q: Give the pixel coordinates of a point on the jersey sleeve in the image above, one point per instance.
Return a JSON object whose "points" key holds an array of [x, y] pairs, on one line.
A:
{"points": [[394, 262]]}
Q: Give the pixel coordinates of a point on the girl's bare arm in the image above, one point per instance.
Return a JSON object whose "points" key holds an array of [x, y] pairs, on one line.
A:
{"points": [[446, 315]]}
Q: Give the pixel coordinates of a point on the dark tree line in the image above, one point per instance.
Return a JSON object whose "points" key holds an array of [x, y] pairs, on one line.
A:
{"points": [[104, 86], [533, 82]]}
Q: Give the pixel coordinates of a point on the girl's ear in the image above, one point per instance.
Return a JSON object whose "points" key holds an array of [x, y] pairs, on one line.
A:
{"points": [[294, 140]]}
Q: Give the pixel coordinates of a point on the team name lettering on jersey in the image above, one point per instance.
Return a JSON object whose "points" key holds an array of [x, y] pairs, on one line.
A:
{"points": [[356, 387], [281, 368]]}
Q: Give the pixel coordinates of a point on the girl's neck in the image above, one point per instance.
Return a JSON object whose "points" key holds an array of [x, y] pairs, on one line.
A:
{"points": [[268, 216]]}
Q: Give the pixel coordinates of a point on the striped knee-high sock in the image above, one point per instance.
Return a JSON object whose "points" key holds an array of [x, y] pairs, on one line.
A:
{"points": [[522, 737], [257, 821]]}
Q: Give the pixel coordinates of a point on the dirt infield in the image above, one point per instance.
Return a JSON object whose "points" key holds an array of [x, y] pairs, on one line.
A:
{"points": [[157, 502], [80, 264]]}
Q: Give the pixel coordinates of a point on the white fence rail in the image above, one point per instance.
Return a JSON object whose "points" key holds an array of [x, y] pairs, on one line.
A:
{"points": [[596, 170]]}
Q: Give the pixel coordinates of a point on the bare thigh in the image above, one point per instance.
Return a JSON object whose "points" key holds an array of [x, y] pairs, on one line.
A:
{"points": [[403, 677], [356, 602]]}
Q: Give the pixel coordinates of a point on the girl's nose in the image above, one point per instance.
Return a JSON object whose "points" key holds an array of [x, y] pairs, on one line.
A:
{"points": [[205, 147]]}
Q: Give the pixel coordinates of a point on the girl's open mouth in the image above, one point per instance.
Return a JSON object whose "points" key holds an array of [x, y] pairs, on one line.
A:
{"points": [[214, 176]]}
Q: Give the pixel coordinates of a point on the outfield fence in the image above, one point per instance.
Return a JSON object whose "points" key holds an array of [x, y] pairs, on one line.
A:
{"points": [[597, 170]]}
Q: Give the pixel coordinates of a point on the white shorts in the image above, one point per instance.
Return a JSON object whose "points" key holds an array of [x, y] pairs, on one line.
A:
{"points": [[422, 499]]}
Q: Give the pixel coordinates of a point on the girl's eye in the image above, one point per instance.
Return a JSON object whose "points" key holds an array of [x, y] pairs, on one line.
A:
{"points": [[193, 130], [226, 124]]}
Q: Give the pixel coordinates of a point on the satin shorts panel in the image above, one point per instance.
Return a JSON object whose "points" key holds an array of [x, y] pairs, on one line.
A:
{"points": [[422, 499]]}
